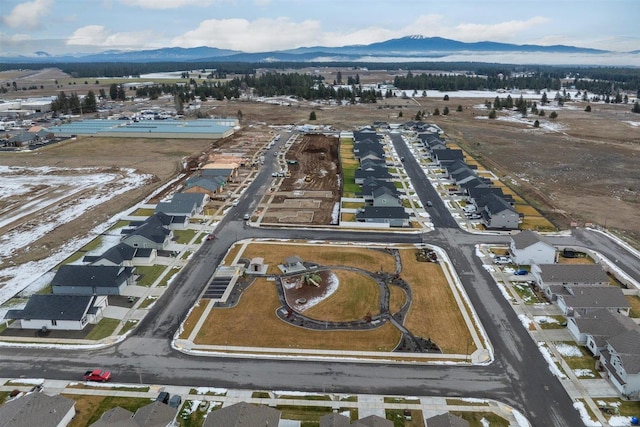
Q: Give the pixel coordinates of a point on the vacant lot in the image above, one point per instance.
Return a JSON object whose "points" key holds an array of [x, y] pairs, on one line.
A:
{"points": [[309, 195]]}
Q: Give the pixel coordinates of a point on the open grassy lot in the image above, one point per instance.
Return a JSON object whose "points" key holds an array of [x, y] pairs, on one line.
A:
{"points": [[90, 408], [434, 313], [364, 258], [398, 419], [253, 323], [356, 296], [397, 298]]}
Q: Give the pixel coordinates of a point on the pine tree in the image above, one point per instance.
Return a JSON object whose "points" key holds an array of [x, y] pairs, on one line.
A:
{"points": [[445, 111], [544, 100], [492, 114], [636, 108], [312, 115], [553, 115]]}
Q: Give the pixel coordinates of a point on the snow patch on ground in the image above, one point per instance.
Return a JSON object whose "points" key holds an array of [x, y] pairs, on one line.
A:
{"points": [[584, 373], [634, 124], [205, 390], [586, 419], [545, 319], [524, 319], [549, 358], [568, 350], [99, 187]]}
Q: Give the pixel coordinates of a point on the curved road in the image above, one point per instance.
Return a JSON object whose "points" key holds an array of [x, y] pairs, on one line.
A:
{"points": [[519, 376]]}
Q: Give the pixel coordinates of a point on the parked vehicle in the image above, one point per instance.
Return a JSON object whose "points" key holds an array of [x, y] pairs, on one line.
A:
{"points": [[246, 217], [234, 203], [163, 397], [175, 401], [211, 236], [429, 203], [521, 272], [502, 260], [97, 375]]}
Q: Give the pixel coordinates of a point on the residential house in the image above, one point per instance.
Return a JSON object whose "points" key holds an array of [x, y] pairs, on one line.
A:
{"points": [[551, 278], [227, 174], [621, 361], [155, 414], [59, 312], [371, 164], [370, 184], [152, 233], [447, 420], [528, 247], [594, 329], [373, 421], [394, 216], [379, 174], [184, 204], [370, 155], [172, 222], [446, 156], [497, 213], [583, 300], [91, 279], [457, 166], [478, 192], [37, 409], [243, 414], [334, 420], [463, 176], [205, 185], [382, 196], [123, 255]]}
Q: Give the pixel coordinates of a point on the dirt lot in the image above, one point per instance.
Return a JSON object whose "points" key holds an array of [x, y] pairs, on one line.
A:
{"points": [[309, 195]]}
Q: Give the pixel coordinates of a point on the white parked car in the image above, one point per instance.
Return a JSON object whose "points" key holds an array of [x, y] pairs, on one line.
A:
{"points": [[502, 260]]}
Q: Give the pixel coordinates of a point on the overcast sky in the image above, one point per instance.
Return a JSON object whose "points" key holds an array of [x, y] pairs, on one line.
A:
{"points": [[74, 26]]}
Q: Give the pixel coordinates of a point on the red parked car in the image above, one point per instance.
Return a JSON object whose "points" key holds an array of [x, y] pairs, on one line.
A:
{"points": [[97, 375]]}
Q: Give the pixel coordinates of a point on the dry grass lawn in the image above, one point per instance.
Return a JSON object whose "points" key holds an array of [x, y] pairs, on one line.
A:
{"points": [[397, 298], [253, 323], [356, 296], [193, 318], [434, 313], [364, 258]]}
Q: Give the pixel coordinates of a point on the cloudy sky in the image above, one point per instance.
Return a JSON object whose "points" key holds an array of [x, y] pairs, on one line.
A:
{"points": [[80, 26]]}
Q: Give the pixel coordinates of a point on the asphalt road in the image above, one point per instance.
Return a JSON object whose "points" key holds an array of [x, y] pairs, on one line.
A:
{"points": [[519, 376]]}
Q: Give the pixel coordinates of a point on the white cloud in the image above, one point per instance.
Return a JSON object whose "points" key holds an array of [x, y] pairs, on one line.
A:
{"points": [[251, 36], [99, 36], [28, 14], [508, 31], [165, 4]]}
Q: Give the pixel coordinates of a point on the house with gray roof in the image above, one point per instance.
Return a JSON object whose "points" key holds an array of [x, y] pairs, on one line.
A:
{"points": [[382, 196], [446, 156], [59, 312], [37, 409], [381, 174], [209, 185], [621, 361], [156, 414], [594, 329], [91, 279], [373, 421], [153, 233], [497, 213], [393, 216], [184, 204], [243, 414], [583, 300], [122, 255], [334, 420], [552, 278], [447, 420], [528, 247]]}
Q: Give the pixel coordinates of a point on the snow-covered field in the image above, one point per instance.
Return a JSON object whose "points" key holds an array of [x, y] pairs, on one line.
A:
{"points": [[54, 196]]}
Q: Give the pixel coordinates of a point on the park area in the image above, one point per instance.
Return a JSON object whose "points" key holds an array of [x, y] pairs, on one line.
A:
{"points": [[346, 292]]}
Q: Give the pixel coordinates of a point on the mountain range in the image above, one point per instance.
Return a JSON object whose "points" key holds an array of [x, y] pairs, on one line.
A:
{"points": [[401, 48]]}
